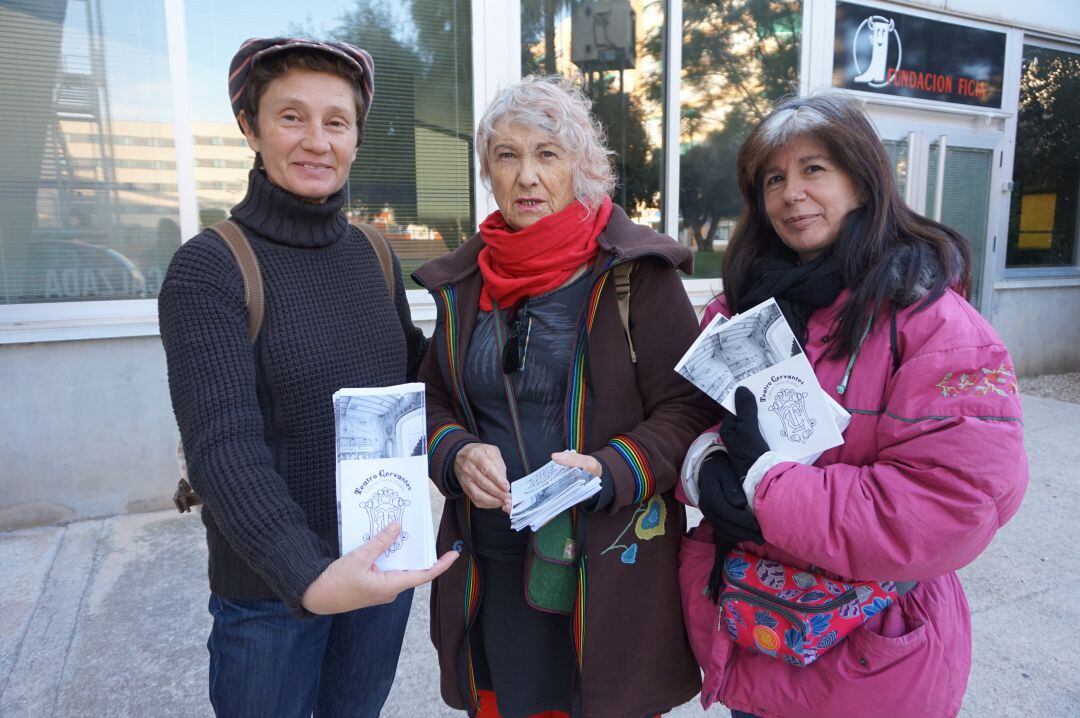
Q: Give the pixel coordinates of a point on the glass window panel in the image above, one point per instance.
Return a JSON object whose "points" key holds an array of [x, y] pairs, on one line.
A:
{"points": [[738, 57], [965, 198], [413, 175], [1046, 172], [897, 151], [88, 196], [615, 49]]}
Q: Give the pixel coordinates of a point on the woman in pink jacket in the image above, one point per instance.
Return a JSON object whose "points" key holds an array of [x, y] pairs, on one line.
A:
{"points": [[932, 463]]}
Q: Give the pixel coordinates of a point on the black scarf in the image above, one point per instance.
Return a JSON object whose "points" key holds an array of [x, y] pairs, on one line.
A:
{"points": [[799, 289]]}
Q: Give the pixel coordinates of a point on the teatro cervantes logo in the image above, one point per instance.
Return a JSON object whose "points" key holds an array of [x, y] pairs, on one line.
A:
{"points": [[881, 31]]}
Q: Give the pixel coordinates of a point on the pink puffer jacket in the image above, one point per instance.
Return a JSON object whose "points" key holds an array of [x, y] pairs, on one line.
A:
{"points": [[932, 465]]}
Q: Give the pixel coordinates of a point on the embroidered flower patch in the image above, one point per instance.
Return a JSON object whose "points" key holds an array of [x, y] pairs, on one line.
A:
{"points": [[648, 521], [651, 522], [1001, 381]]}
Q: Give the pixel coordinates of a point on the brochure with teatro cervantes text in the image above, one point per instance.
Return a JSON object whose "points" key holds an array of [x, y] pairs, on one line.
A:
{"points": [[758, 350], [382, 475]]}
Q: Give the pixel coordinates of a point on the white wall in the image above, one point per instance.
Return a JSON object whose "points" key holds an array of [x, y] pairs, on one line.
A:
{"points": [[1056, 17], [1041, 327], [86, 429]]}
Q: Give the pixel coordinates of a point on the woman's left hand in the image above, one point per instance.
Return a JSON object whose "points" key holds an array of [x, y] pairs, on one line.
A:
{"points": [[581, 461]]}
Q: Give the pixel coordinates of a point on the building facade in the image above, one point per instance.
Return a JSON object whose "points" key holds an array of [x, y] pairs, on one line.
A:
{"points": [[117, 143]]}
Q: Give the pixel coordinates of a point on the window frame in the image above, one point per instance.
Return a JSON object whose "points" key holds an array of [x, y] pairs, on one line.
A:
{"points": [[496, 63], [1034, 277]]}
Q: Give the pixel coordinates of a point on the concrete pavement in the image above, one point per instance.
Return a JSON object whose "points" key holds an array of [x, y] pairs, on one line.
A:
{"points": [[108, 617]]}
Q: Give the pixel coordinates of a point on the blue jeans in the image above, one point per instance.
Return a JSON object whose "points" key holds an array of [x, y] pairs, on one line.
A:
{"points": [[265, 662]]}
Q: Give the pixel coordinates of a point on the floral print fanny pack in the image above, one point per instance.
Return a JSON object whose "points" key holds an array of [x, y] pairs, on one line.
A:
{"points": [[792, 614]]}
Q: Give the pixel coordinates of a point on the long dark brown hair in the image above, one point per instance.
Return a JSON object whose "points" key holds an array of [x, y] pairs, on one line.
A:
{"points": [[871, 236]]}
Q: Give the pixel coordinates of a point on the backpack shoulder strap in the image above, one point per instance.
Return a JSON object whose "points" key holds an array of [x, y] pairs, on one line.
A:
{"points": [[244, 254], [234, 238], [381, 245], [622, 295]]}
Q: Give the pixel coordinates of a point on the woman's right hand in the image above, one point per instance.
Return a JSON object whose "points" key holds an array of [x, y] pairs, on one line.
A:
{"points": [[480, 470], [724, 503], [354, 581]]}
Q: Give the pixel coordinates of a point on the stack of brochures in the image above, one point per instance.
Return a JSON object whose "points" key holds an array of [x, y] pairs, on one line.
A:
{"points": [[547, 492], [758, 350], [382, 474]]}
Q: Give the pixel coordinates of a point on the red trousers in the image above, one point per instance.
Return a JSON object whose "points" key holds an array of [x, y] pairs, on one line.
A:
{"points": [[488, 708]]}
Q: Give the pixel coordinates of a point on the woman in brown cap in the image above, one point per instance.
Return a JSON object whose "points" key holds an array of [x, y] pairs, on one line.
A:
{"points": [[296, 628]]}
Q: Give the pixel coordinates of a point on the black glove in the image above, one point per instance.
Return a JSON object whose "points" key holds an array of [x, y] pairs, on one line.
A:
{"points": [[723, 502], [741, 434]]}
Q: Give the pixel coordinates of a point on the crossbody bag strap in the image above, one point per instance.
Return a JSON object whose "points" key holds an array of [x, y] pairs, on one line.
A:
{"points": [[244, 254], [551, 577], [622, 296], [381, 245], [511, 399]]}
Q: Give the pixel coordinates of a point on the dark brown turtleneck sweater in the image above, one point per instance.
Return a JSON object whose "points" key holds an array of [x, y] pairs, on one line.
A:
{"points": [[257, 422]]}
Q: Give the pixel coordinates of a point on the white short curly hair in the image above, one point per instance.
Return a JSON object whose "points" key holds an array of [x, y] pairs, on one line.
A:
{"points": [[553, 104]]}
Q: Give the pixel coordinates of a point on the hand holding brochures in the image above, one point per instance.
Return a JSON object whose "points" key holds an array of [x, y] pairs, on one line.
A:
{"points": [[545, 493], [758, 350]]}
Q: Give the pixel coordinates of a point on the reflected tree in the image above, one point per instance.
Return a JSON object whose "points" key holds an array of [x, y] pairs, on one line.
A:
{"points": [[636, 164], [423, 70], [708, 192], [538, 20], [1047, 152], [389, 132], [620, 113], [738, 58]]}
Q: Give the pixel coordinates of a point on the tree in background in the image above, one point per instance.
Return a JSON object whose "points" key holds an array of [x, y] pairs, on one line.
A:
{"points": [[708, 192], [738, 58]]}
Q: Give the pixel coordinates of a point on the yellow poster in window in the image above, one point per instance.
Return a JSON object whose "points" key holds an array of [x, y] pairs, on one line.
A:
{"points": [[1037, 220]]}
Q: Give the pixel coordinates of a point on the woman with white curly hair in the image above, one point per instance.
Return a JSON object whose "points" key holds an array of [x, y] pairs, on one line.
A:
{"points": [[558, 325]]}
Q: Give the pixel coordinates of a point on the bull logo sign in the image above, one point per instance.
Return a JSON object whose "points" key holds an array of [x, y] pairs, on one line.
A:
{"points": [[881, 31]]}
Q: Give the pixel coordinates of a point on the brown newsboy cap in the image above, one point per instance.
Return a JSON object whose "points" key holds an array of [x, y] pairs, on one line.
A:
{"points": [[255, 49]]}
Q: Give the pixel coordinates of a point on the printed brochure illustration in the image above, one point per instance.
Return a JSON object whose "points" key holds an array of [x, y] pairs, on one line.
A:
{"points": [[793, 412]]}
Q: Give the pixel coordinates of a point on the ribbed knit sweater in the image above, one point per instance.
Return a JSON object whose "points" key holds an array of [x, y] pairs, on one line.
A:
{"points": [[257, 422]]}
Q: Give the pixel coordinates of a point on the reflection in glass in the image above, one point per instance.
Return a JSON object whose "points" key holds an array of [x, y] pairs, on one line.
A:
{"points": [[897, 151], [615, 49], [413, 176], [738, 57], [1046, 173], [88, 196], [965, 199]]}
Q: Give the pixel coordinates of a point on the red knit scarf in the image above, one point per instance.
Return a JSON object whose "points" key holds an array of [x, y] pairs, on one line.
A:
{"points": [[530, 261]]}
